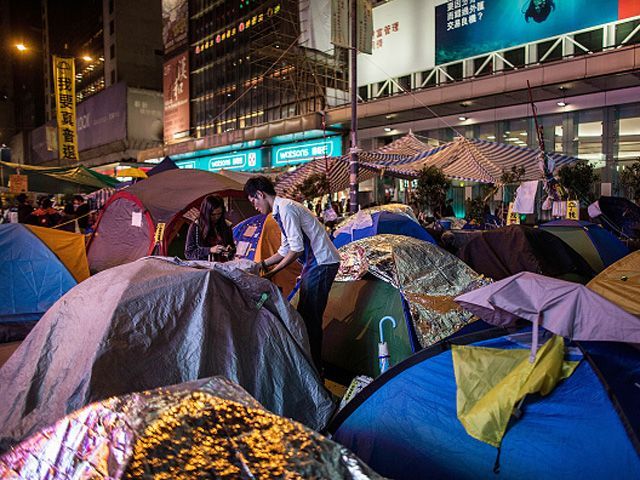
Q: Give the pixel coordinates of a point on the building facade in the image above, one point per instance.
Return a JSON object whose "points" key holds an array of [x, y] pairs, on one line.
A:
{"points": [[439, 68]]}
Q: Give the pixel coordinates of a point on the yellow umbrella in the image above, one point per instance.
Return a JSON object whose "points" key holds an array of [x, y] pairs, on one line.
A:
{"points": [[492, 381], [131, 172]]}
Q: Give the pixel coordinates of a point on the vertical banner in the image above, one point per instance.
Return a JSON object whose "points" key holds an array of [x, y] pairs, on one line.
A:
{"points": [[176, 97], [340, 24], [365, 27], [64, 77]]}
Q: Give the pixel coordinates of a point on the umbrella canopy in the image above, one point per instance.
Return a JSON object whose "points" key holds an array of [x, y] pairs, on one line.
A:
{"points": [[620, 283], [132, 172], [565, 308], [210, 428]]}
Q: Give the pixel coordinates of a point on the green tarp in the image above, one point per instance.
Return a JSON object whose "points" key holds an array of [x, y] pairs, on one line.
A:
{"points": [[69, 179]]}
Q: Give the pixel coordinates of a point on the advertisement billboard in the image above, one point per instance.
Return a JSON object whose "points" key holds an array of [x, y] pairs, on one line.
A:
{"points": [[244, 160], [102, 118], [402, 42], [175, 86], [144, 113], [466, 28], [295, 153], [175, 23]]}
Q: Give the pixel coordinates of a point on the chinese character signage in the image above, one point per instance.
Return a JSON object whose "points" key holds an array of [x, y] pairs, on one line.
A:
{"points": [[64, 76], [294, 153], [465, 28], [341, 26], [402, 41], [176, 97], [513, 217], [573, 210], [18, 184], [175, 22]]}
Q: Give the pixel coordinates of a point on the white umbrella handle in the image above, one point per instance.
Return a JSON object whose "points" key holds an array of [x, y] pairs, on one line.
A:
{"points": [[382, 320], [534, 338]]}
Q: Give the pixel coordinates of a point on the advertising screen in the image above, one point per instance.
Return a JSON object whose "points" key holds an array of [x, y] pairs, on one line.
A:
{"points": [[294, 153], [466, 28]]}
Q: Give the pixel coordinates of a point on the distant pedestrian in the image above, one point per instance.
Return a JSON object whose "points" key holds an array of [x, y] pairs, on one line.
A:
{"points": [[81, 210], [24, 208]]}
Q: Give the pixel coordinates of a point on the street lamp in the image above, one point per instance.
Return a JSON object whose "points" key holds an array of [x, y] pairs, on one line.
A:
{"points": [[21, 47]]}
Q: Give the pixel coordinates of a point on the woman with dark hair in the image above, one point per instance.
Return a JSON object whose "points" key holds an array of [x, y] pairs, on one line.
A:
{"points": [[210, 237], [539, 10]]}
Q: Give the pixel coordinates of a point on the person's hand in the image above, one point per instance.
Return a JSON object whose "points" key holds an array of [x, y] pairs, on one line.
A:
{"points": [[217, 249]]}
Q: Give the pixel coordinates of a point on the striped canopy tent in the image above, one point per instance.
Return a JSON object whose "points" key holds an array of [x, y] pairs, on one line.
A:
{"points": [[476, 161], [372, 164]]}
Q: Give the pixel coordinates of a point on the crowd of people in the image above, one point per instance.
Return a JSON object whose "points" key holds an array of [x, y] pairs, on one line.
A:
{"points": [[74, 216]]}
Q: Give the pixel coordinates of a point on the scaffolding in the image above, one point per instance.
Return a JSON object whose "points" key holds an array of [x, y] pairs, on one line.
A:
{"points": [[262, 74]]}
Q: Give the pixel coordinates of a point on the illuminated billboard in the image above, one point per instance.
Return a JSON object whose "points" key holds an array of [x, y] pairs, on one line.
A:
{"points": [[295, 153], [175, 85], [466, 28], [244, 160]]}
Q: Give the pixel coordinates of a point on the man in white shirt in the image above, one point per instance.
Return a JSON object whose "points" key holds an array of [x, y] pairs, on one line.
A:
{"points": [[304, 239]]}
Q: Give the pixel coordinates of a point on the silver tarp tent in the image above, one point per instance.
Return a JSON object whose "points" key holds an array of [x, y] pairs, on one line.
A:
{"points": [[152, 323], [209, 428]]}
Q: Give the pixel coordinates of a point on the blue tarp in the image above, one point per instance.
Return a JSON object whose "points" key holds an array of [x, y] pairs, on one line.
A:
{"points": [[385, 222], [32, 277], [404, 425]]}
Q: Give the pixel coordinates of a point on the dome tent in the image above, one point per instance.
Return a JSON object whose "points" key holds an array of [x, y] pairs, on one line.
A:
{"points": [[126, 227], [391, 275], [37, 266], [215, 320]]}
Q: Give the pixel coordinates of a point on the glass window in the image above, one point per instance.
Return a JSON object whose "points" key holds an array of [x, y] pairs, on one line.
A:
{"points": [[516, 132], [486, 131], [628, 148], [588, 136], [553, 132]]}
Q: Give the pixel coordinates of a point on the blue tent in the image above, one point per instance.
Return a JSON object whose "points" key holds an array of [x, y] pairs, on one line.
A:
{"points": [[249, 231], [32, 277], [383, 222], [599, 247], [404, 424]]}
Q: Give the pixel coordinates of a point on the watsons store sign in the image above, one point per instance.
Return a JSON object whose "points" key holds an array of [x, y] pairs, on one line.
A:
{"points": [[294, 153], [246, 160]]}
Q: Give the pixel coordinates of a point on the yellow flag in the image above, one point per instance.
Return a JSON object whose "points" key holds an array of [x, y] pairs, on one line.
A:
{"points": [[491, 381]]}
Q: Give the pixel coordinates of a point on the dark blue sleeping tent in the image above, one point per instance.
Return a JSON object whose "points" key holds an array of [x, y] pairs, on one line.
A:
{"points": [[404, 424], [383, 222]]}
